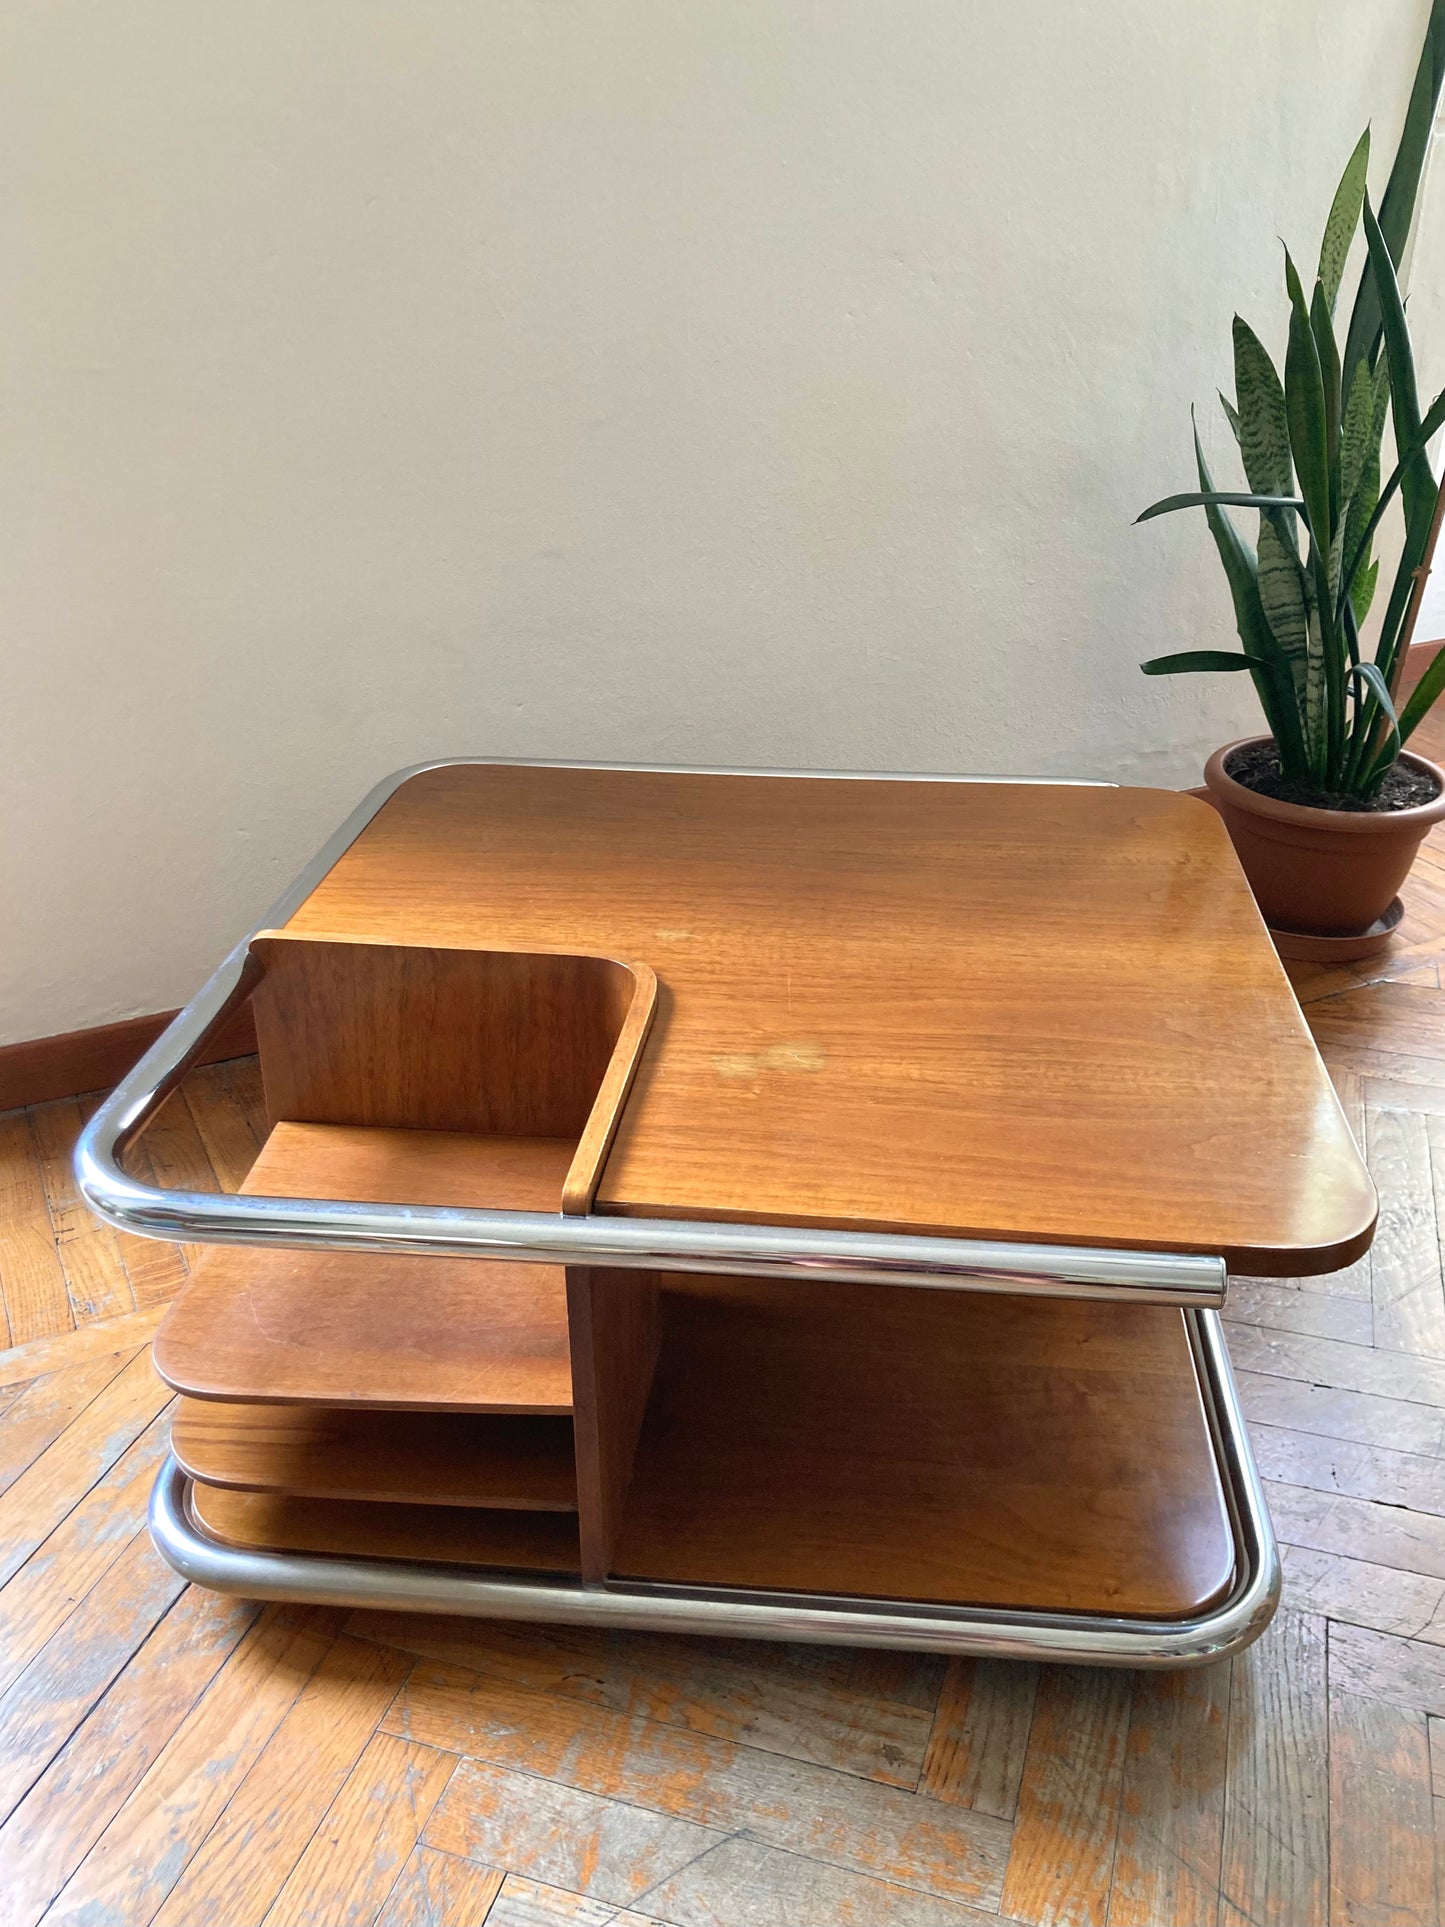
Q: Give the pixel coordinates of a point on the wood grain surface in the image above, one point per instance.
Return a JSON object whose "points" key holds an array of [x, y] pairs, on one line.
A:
{"points": [[43, 1069], [613, 1318], [1023, 1012], [495, 1043], [926, 1445], [1061, 1864], [289, 1786], [449, 1535], [329, 1328], [432, 1038], [419, 1458]]}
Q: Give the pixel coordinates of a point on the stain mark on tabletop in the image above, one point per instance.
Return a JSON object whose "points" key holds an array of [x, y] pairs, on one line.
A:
{"points": [[776, 1057]]}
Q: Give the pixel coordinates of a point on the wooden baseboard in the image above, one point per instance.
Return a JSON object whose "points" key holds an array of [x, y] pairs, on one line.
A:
{"points": [[94, 1060]]}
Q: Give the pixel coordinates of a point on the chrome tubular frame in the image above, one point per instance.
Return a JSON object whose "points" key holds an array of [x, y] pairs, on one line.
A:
{"points": [[771, 1251], [786, 1253], [1074, 1638]]}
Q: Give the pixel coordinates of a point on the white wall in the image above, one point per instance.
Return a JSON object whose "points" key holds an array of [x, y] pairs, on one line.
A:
{"points": [[749, 381]]}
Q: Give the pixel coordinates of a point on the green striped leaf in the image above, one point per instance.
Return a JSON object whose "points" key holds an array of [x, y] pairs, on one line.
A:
{"points": [[1382, 393], [1362, 591], [1275, 689], [1304, 390], [1323, 330], [1358, 436], [1344, 218], [1282, 594], [1263, 420], [1317, 689], [1359, 519], [1417, 534], [1334, 565]]}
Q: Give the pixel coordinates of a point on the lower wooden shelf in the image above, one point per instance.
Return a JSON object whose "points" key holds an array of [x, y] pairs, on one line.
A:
{"points": [[333, 1328], [915, 1445], [425, 1458], [437, 1535], [845, 1441]]}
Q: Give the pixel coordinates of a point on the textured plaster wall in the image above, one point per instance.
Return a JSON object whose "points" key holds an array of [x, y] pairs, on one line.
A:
{"points": [[758, 381]]}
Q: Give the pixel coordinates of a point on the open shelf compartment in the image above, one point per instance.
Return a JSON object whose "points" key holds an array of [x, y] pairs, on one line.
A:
{"points": [[414, 1075], [955, 1451], [397, 1333], [329, 1395], [964, 1450], [333, 1556], [431, 1534], [389, 1458]]}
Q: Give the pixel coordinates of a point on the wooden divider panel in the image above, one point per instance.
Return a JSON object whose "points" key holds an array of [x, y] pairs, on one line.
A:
{"points": [[612, 1320]]}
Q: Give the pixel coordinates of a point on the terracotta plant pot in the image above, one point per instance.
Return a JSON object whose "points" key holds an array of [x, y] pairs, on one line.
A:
{"points": [[1330, 873]]}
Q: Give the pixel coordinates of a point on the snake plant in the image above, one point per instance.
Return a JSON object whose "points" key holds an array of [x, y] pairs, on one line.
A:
{"points": [[1310, 446]]}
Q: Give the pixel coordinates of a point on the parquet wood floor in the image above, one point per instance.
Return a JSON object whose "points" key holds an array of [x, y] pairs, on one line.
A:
{"points": [[169, 1757]]}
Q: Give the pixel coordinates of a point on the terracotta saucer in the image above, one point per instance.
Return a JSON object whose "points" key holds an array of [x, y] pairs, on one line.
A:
{"points": [[1301, 947]]}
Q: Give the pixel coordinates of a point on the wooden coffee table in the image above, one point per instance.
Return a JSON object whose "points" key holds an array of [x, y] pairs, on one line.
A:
{"points": [[787, 1206]]}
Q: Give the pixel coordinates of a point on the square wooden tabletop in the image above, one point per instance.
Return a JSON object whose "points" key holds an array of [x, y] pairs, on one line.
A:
{"points": [[1000, 1010]]}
